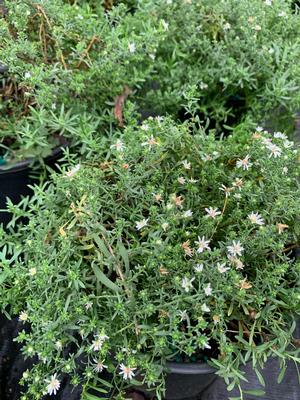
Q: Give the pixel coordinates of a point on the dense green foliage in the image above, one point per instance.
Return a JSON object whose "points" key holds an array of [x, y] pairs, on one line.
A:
{"points": [[69, 60], [166, 243]]}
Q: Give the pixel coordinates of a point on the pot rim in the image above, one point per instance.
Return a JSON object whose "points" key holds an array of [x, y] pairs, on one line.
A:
{"points": [[190, 368], [25, 164]]}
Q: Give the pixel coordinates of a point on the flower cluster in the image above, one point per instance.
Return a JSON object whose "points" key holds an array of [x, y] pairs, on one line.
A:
{"points": [[166, 258]]}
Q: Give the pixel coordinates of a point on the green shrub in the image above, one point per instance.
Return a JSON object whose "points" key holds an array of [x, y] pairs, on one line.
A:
{"points": [[67, 61], [168, 244], [240, 56]]}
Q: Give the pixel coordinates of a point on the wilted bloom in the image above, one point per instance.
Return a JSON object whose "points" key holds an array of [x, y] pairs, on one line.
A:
{"points": [[222, 268], [178, 200], [186, 283], [243, 284], [244, 163], [202, 244], [99, 366], [150, 142], [281, 227], [238, 264], [127, 372], [186, 247], [205, 308], [53, 385], [208, 289], [198, 268], [238, 183], [141, 224], [23, 316], [158, 196], [186, 164], [235, 249], [212, 212], [256, 218]]}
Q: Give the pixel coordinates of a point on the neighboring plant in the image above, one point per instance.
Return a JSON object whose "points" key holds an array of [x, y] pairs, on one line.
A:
{"points": [[66, 60], [169, 244], [238, 56]]}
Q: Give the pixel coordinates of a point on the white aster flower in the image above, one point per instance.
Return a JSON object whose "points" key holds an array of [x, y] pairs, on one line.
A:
{"points": [[181, 180], [88, 305], [187, 283], [58, 345], [165, 24], [205, 308], [285, 170], [141, 224], [98, 342], [27, 75], [212, 212], [192, 180], [287, 144], [256, 218], [268, 2], [131, 47], [187, 214], [73, 171], [119, 145], [222, 268], [259, 129], [165, 226], [235, 249], [183, 315], [32, 271], [198, 268], [244, 163], [227, 26], [23, 316], [208, 289], [257, 28], [53, 385], [282, 14], [127, 372], [275, 151], [186, 164], [202, 244], [226, 190], [203, 85], [280, 135], [53, 106], [99, 366], [145, 127]]}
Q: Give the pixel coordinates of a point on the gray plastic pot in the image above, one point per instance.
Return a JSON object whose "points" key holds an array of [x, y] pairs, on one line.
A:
{"points": [[185, 380]]}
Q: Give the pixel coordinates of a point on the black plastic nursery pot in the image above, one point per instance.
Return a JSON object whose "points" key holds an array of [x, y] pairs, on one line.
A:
{"points": [[14, 181], [185, 381], [188, 380]]}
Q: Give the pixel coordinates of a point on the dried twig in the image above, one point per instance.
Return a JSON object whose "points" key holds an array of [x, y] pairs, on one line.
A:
{"points": [[119, 103]]}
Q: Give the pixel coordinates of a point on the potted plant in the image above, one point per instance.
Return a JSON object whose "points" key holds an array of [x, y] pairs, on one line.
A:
{"points": [[166, 245]]}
